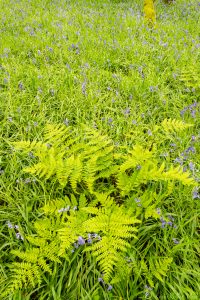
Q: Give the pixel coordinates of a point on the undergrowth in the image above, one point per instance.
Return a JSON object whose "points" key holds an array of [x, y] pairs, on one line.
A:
{"points": [[99, 153]]}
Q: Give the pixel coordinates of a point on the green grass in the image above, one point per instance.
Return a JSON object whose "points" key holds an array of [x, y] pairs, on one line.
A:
{"points": [[97, 63]]}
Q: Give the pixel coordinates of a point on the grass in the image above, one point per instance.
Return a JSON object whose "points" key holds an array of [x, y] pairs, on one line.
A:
{"points": [[97, 63]]}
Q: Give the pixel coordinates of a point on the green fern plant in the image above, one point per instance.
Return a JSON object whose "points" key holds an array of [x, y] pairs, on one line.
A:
{"points": [[190, 78], [115, 226], [41, 252], [101, 185]]}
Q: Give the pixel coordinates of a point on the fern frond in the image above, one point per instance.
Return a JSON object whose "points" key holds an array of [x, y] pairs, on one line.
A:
{"points": [[174, 125], [115, 226], [76, 173], [190, 78], [56, 135], [30, 256], [71, 230], [23, 275], [28, 146], [178, 174], [159, 267]]}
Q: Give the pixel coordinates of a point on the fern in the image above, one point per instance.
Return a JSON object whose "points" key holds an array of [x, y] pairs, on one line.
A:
{"points": [[170, 125], [190, 78], [115, 226], [102, 184]]}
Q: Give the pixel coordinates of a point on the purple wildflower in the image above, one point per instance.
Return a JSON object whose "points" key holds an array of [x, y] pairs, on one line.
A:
{"points": [[163, 222], [175, 241], [19, 236], [109, 288], [169, 223], [20, 86], [31, 155], [52, 92], [192, 166], [66, 122], [127, 111], [193, 138], [137, 200], [64, 209], [9, 224], [195, 194], [178, 160], [84, 84], [149, 132], [27, 180], [190, 149], [158, 210], [76, 245], [100, 280], [81, 240]]}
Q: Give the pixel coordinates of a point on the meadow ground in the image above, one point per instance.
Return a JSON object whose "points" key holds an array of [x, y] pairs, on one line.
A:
{"points": [[98, 63]]}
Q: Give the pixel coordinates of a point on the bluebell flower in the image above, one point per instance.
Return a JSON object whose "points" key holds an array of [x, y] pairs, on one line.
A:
{"points": [[158, 210], [68, 66], [76, 245], [171, 218], [19, 236], [64, 209], [100, 280], [190, 149], [163, 222], [195, 194], [109, 288], [52, 92], [178, 160], [83, 87], [149, 132], [192, 166], [9, 224], [31, 155], [193, 138], [20, 86], [27, 181], [175, 241], [127, 111], [169, 223], [137, 200], [81, 240], [66, 122]]}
